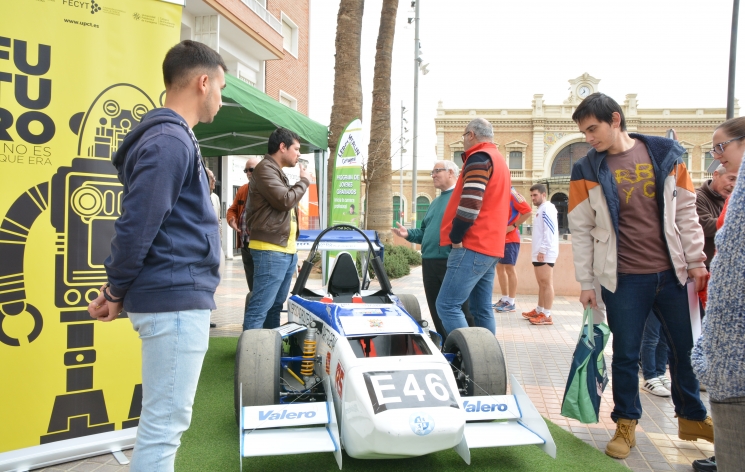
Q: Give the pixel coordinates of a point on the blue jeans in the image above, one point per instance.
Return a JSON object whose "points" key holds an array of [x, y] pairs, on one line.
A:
{"points": [[173, 348], [272, 276], [654, 349], [628, 309], [470, 276]]}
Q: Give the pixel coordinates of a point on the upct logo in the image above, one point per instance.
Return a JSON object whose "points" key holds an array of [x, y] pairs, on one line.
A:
{"points": [[136, 16], [95, 7], [421, 423]]}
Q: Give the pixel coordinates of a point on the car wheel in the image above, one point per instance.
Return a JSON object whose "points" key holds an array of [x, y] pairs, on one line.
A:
{"points": [[411, 305], [478, 366], [257, 367]]}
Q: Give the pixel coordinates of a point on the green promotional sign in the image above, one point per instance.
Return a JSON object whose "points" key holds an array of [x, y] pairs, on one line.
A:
{"points": [[345, 187], [345, 190]]}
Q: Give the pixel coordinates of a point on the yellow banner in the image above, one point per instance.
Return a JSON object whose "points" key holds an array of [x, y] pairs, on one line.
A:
{"points": [[75, 77]]}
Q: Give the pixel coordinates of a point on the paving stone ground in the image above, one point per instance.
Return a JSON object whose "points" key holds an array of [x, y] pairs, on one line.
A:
{"points": [[538, 356]]}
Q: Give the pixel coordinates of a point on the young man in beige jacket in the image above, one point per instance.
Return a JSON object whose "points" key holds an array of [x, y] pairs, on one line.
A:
{"points": [[632, 214]]}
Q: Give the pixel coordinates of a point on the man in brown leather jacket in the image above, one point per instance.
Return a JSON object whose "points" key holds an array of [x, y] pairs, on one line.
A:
{"points": [[272, 222]]}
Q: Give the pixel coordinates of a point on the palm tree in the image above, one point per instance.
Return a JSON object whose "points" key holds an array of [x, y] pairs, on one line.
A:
{"points": [[378, 169], [347, 77]]}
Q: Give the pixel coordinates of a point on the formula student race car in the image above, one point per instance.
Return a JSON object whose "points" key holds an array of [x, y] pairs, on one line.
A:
{"points": [[359, 369]]}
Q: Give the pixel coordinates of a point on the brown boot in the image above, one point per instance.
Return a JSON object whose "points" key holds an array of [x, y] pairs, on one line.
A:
{"points": [[624, 439], [689, 430]]}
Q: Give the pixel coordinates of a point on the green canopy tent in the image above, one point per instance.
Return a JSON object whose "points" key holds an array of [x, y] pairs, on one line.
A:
{"points": [[247, 118], [245, 121]]}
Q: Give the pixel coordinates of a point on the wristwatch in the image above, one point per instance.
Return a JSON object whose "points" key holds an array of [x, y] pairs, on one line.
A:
{"points": [[109, 297]]}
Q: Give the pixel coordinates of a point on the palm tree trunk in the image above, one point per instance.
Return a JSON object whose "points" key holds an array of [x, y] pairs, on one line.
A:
{"points": [[378, 172], [347, 78]]}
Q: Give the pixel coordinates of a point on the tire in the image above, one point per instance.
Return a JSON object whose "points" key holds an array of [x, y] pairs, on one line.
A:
{"points": [[411, 304], [479, 358], [257, 367], [248, 299]]}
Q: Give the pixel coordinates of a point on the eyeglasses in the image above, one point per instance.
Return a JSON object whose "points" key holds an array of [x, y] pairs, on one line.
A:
{"points": [[719, 148], [250, 169], [435, 172], [463, 136]]}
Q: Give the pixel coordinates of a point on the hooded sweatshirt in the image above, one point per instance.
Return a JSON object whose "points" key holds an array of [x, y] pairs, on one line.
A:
{"points": [[165, 251]]}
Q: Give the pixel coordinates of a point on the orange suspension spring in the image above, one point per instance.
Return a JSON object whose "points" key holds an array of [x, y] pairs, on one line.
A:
{"points": [[309, 353]]}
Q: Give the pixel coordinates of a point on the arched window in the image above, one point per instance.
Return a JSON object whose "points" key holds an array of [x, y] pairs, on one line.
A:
{"points": [[686, 160], [708, 159], [687, 154], [566, 158], [422, 205], [516, 160], [561, 202], [397, 211], [458, 158]]}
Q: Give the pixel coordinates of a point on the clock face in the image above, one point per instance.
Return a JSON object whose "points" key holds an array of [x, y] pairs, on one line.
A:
{"points": [[583, 91]]}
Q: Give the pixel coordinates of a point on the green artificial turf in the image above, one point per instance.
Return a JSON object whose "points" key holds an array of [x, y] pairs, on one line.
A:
{"points": [[211, 443]]}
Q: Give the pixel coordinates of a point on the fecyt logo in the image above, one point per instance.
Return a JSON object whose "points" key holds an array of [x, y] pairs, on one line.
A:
{"points": [[270, 415], [76, 4], [471, 408], [93, 5]]}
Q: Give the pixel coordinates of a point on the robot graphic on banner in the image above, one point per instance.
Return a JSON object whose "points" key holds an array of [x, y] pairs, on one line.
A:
{"points": [[83, 201]]}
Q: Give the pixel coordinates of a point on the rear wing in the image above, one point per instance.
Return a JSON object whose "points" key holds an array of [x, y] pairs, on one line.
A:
{"points": [[338, 240], [514, 422]]}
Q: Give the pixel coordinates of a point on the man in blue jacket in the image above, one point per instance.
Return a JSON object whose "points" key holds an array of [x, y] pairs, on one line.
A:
{"points": [[165, 254]]}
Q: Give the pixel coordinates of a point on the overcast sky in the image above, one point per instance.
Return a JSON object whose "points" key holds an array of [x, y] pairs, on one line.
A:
{"points": [[497, 54]]}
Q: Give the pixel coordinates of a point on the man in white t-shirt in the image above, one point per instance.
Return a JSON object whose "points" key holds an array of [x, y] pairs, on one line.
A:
{"points": [[216, 206], [544, 254], [215, 199]]}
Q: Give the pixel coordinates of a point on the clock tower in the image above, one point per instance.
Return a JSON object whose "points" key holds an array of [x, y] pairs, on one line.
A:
{"points": [[581, 87]]}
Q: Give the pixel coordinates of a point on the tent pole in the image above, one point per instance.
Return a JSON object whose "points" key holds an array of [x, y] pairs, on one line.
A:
{"points": [[732, 61], [322, 191], [322, 206]]}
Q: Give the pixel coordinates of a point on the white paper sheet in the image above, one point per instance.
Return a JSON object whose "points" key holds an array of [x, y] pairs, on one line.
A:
{"points": [[693, 304]]}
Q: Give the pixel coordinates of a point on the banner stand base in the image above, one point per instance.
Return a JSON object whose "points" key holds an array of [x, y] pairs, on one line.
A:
{"points": [[120, 457], [69, 450]]}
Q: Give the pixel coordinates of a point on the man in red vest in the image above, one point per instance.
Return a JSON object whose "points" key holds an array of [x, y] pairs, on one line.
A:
{"points": [[475, 224]]}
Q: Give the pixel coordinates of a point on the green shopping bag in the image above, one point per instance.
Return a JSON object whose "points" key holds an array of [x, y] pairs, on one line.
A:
{"points": [[588, 375]]}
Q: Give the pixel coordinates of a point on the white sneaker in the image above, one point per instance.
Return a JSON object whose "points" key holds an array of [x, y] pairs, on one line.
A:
{"points": [[655, 387], [499, 304], [665, 382]]}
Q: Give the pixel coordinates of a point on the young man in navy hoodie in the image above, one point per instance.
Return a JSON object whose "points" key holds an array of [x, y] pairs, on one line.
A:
{"points": [[165, 254]]}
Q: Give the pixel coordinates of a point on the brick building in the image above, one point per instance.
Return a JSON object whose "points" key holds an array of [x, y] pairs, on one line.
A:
{"points": [[288, 78], [541, 143]]}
